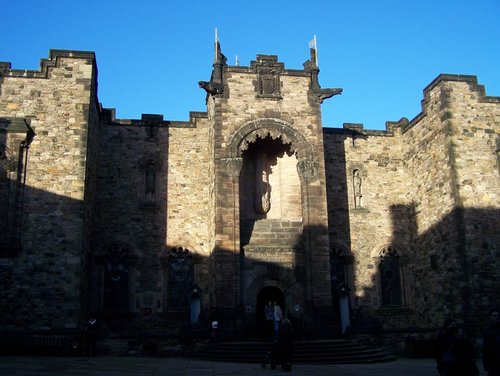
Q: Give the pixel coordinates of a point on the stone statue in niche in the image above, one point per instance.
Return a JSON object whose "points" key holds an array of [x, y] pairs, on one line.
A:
{"points": [[150, 183], [262, 200], [357, 182]]}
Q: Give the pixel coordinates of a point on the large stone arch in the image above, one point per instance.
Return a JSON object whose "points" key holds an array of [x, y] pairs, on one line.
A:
{"points": [[273, 127], [307, 165]]}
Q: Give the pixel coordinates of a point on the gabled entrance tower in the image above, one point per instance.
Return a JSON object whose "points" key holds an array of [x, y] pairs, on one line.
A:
{"points": [[271, 222]]}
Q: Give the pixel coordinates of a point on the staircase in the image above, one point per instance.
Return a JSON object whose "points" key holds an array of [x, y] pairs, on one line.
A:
{"points": [[337, 351]]}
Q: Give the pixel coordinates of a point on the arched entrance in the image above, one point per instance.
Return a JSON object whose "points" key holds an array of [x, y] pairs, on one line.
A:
{"points": [[267, 294]]}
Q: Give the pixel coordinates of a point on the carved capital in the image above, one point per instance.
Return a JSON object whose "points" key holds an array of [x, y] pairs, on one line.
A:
{"points": [[232, 166], [10, 164], [307, 169]]}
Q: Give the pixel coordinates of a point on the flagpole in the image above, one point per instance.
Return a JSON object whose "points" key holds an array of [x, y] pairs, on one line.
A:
{"points": [[216, 40], [313, 49], [316, 49]]}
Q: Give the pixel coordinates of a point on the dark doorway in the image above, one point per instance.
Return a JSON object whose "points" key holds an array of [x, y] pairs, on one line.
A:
{"points": [[267, 294]]}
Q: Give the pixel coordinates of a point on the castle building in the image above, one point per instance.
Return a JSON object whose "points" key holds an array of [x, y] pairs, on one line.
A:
{"points": [[153, 226]]}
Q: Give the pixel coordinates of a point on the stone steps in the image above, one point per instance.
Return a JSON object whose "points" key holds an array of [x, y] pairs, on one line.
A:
{"points": [[337, 351]]}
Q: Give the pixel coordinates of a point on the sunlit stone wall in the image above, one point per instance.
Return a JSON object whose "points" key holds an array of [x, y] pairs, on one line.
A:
{"points": [[47, 272]]}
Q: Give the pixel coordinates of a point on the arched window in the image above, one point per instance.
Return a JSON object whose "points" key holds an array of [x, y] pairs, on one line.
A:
{"points": [[180, 278], [390, 278], [116, 279]]}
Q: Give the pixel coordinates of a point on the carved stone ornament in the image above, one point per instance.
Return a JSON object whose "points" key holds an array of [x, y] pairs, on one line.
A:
{"points": [[215, 86], [319, 93], [307, 169], [7, 160], [9, 164], [232, 166], [268, 69], [268, 83], [119, 251], [212, 88]]}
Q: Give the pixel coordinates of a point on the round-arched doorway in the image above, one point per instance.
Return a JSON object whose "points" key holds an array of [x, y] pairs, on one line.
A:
{"points": [[265, 295]]}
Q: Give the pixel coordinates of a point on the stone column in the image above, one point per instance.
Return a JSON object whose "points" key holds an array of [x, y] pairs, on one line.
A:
{"points": [[227, 233]]}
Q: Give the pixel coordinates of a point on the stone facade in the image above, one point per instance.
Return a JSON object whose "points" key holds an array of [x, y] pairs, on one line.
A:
{"points": [[155, 226]]}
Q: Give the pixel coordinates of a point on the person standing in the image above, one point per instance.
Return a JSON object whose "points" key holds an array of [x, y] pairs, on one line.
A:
{"points": [[269, 320], [214, 330], [278, 316], [91, 337], [491, 345]]}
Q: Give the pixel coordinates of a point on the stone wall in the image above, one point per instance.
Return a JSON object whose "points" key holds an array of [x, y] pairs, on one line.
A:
{"points": [[363, 225], [430, 170], [47, 271], [100, 189], [430, 189], [172, 213], [475, 133], [190, 205], [452, 162]]}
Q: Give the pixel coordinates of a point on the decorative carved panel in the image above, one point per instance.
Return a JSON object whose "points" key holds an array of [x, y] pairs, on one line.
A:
{"points": [[232, 166], [307, 169], [268, 83]]}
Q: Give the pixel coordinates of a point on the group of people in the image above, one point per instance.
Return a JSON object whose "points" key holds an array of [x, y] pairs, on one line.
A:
{"points": [[455, 352], [279, 329], [454, 355]]}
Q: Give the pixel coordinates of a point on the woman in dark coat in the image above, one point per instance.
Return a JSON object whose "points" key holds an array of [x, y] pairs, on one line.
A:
{"points": [[491, 345], [455, 353]]}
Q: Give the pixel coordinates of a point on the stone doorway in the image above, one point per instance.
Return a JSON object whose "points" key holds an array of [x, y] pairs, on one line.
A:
{"points": [[266, 294]]}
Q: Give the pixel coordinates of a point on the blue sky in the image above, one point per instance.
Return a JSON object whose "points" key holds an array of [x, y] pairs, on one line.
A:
{"points": [[151, 54]]}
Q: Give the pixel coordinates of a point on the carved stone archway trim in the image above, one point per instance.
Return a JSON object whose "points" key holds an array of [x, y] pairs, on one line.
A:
{"points": [[307, 166], [279, 280], [273, 127], [390, 247], [120, 248], [186, 245]]}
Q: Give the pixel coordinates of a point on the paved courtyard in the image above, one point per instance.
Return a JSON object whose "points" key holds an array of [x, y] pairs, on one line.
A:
{"points": [[139, 366]]}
